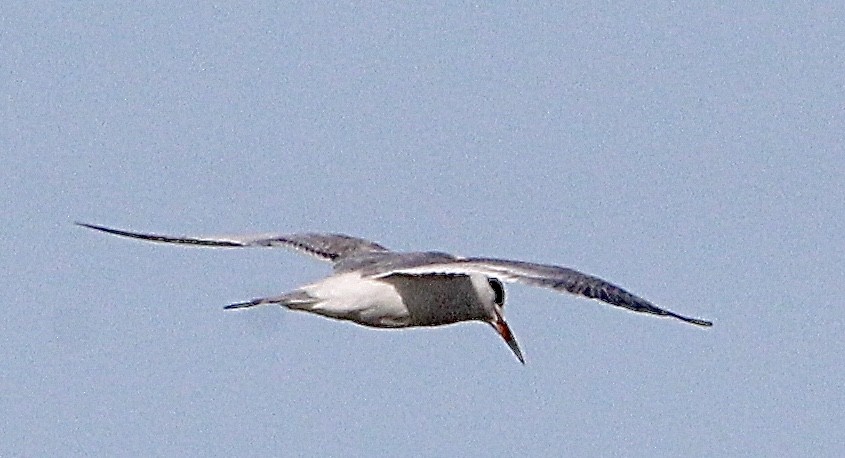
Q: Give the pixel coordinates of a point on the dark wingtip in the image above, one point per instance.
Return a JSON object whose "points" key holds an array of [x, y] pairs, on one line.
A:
{"points": [[695, 321], [103, 229], [239, 305]]}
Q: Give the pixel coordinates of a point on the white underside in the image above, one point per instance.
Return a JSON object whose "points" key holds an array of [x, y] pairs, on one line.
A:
{"points": [[362, 300]]}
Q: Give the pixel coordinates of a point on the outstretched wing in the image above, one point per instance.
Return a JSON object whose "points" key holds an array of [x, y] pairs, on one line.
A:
{"points": [[329, 247], [547, 276]]}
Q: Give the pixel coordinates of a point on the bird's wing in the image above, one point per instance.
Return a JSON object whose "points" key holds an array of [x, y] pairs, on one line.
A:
{"points": [[329, 247], [547, 276]]}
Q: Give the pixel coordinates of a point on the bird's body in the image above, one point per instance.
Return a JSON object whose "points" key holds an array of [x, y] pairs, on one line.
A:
{"points": [[376, 287], [396, 301]]}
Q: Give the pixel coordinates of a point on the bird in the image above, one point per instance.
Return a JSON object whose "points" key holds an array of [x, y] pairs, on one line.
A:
{"points": [[377, 287]]}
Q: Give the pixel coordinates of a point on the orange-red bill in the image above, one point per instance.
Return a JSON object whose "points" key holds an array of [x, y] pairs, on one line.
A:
{"points": [[505, 331]]}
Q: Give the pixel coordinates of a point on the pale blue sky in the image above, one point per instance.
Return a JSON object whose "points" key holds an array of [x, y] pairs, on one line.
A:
{"points": [[692, 154]]}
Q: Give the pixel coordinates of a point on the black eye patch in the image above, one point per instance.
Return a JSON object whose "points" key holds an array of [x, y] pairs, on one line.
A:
{"points": [[498, 291]]}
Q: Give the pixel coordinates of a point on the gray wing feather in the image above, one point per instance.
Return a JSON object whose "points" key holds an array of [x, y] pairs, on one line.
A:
{"points": [[330, 247], [553, 277]]}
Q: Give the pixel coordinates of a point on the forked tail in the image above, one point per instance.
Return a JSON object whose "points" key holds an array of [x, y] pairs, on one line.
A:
{"points": [[293, 300]]}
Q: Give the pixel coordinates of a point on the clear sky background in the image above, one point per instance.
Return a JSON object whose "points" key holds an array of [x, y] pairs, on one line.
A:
{"points": [[691, 153]]}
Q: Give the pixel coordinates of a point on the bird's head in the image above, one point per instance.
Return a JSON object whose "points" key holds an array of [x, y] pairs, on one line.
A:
{"points": [[492, 295]]}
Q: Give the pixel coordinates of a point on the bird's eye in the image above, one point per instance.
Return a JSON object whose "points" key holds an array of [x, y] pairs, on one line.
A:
{"points": [[498, 291]]}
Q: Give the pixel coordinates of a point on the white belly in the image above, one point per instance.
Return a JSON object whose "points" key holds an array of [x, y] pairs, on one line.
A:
{"points": [[364, 301], [430, 300]]}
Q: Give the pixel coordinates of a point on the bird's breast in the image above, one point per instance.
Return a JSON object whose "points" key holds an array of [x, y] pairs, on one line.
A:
{"points": [[397, 300], [433, 300]]}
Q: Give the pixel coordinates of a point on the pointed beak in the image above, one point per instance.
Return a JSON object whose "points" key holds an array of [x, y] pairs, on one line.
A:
{"points": [[505, 331]]}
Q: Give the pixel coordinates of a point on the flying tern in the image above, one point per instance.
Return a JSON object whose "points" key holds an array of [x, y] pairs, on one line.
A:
{"points": [[377, 287]]}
